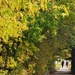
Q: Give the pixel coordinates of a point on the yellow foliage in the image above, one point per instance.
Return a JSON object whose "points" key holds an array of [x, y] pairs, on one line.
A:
{"points": [[64, 8], [24, 27], [24, 72], [11, 63], [1, 59], [0, 2], [33, 8], [63, 14], [66, 11], [43, 5], [23, 57], [55, 7], [31, 68], [26, 43], [20, 60]]}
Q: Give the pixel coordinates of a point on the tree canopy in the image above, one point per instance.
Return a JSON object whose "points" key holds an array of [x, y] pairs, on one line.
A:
{"points": [[33, 31]]}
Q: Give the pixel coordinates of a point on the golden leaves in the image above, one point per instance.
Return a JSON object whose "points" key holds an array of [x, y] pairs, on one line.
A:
{"points": [[1, 60], [0, 2], [32, 8], [43, 4], [11, 63], [63, 10]]}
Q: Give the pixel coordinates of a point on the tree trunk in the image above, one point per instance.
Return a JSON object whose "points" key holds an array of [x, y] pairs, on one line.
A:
{"points": [[73, 61]]}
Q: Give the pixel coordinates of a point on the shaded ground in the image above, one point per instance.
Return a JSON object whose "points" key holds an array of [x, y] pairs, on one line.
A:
{"points": [[62, 71]]}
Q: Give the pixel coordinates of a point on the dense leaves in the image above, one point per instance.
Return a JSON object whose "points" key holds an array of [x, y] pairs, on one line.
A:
{"points": [[32, 33]]}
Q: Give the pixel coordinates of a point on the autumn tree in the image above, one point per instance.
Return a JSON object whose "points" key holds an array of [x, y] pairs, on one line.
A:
{"points": [[23, 25]]}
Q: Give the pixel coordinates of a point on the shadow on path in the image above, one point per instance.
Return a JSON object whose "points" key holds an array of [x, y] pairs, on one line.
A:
{"points": [[61, 73]]}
